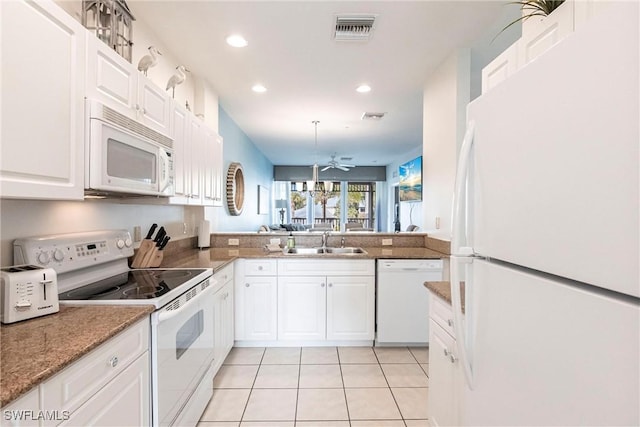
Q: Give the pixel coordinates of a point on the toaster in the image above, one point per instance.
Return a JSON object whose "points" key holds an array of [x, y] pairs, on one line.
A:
{"points": [[27, 291]]}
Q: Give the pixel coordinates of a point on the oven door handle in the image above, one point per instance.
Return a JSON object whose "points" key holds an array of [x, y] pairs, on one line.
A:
{"points": [[168, 314]]}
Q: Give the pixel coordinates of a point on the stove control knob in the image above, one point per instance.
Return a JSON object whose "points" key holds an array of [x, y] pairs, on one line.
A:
{"points": [[128, 242], [43, 258], [58, 255], [120, 243]]}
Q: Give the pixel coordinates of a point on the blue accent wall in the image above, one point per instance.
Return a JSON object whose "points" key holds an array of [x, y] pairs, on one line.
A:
{"points": [[258, 170]]}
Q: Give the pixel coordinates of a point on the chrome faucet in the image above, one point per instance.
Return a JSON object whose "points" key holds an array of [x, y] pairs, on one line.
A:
{"points": [[342, 242], [325, 238]]}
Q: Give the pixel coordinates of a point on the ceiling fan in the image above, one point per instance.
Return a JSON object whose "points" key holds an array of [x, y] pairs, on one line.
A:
{"points": [[334, 164]]}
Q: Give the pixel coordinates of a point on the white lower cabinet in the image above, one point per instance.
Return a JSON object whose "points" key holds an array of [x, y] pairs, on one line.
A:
{"points": [[124, 401], [312, 301], [332, 300], [108, 386], [445, 373], [22, 412], [223, 317], [256, 300], [302, 303]]}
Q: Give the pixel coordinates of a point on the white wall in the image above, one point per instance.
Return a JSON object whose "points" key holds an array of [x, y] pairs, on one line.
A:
{"points": [[446, 95]]}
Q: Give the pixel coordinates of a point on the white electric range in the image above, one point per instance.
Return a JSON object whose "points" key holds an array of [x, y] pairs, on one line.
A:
{"points": [[92, 269]]}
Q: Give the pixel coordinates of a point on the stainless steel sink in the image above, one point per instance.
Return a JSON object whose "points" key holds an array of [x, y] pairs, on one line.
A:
{"points": [[320, 251], [304, 251], [345, 251]]}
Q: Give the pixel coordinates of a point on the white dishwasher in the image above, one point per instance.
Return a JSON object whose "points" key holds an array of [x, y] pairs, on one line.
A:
{"points": [[402, 301]]}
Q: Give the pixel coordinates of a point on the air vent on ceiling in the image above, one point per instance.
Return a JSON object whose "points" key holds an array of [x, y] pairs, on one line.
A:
{"points": [[346, 159], [372, 116], [354, 27]]}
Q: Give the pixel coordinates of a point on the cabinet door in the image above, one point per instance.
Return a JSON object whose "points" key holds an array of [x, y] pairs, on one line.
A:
{"points": [[43, 55], [209, 148], [153, 106], [111, 79], [223, 324], [18, 413], [122, 402], [218, 171], [181, 156], [197, 159], [302, 308], [442, 377], [260, 307], [350, 307]]}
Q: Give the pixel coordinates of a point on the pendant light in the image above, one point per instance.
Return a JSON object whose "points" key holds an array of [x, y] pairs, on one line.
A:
{"points": [[311, 185]]}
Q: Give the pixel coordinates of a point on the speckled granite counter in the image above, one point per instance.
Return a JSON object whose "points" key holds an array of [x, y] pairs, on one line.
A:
{"points": [[34, 350], [217, 258], [443, 290]]}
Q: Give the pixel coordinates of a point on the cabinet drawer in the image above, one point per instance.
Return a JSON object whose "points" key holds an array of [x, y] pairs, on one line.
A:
{"points": [[326, 267], [69, 389], [224, 276], [442, 313], [260, 267]]}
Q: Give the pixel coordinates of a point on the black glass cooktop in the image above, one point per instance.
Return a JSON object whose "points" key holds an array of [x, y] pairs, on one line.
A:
{"points": [[134, 284]]}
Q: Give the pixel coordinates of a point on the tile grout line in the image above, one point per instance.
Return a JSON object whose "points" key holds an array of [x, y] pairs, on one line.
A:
{"points": [[295, 414], [251, 389], [389, 385], [344, 388]]}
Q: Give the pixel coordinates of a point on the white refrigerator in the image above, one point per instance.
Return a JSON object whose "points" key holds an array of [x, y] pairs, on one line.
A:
{"points": [[546, 237]]}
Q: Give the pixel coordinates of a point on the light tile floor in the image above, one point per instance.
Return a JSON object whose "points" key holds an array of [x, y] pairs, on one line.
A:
{"points": [[321, 387]]}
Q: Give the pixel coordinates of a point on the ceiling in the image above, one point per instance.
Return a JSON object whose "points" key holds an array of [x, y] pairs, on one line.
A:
{"points": [[309, 76]]}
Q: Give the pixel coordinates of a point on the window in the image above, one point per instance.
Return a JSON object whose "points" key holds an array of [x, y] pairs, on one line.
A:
{"points": [[326, 208]]}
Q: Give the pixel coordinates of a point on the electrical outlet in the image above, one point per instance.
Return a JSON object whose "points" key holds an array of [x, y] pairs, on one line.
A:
{"points": [[274, 241], [137, 233], [437, 222], [387, 242], [234, 242]]}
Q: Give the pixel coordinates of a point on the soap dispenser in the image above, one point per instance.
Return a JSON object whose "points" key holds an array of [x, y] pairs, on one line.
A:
{"points": [[291, 241]]}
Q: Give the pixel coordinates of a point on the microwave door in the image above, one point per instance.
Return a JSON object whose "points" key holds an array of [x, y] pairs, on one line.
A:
{"points": [[122, 162]]}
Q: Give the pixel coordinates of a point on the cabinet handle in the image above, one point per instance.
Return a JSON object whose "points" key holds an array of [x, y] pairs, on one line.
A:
{"points": [[450, 322], [453, 358], [331, 285], [113, 362], [246, 284], [260, 267], [446, 352], [322, 285]]}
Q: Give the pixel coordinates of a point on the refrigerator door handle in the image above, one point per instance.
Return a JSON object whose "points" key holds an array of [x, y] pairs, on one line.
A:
{"points": [[458, 326], [459, 219], [461, 255]]}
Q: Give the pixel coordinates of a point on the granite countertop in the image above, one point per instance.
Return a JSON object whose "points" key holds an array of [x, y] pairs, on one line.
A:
{"points": [[34, 350], [217, 258], [443, 290]]}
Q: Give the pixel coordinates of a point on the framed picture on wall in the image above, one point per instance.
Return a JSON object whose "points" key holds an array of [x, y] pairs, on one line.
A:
{"points": [[263, 200], [411, 180]]}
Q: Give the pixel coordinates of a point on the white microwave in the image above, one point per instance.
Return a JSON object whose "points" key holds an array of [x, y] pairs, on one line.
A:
{"points": [[124, 156]]}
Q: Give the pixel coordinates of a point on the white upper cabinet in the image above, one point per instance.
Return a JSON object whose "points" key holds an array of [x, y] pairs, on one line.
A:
{"points": [[118, 84], [43, 59], [197, 161]]}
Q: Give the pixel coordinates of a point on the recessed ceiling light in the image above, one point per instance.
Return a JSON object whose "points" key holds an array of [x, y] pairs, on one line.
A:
{"points": [[259, 88], [364, 88], [236, 41]]}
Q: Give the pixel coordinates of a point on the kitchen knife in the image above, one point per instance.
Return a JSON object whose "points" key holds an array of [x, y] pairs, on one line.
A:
{"points": [[146, 261], [159, 253], [145, 246]]}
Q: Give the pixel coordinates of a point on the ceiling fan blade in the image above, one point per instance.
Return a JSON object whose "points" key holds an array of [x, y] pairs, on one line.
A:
{"points": [[347, 165], [341, 167], [325, 168]]}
